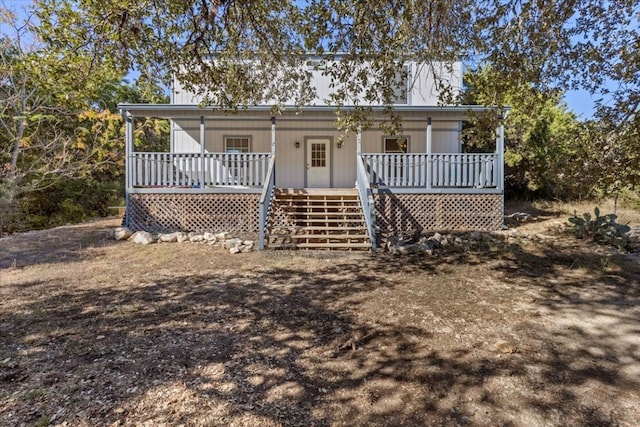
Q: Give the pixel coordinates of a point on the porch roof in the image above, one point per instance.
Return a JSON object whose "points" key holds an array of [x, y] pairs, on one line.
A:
{"points": [[170, 111]]}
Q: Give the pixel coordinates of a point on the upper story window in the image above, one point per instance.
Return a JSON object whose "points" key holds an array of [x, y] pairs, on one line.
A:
{"points": [[237, 144]]}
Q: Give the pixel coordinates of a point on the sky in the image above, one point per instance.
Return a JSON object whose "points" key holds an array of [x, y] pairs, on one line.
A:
{"points": [[581, 102]]}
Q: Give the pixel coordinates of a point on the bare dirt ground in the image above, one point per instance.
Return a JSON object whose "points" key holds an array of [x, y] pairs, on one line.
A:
{"points": [[537, 332]]}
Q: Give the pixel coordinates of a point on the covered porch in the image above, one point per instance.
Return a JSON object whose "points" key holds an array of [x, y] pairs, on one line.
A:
{"points": [[253, 176]]}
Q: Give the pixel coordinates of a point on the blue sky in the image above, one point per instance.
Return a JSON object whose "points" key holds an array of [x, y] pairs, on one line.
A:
{"points": [[581, 102]]}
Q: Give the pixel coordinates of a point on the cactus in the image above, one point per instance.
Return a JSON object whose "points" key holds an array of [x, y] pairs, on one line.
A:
{"points": [[601, 228]]}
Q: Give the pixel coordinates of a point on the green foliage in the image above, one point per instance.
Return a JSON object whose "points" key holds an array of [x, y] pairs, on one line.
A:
{"points": [[599, 228], [66, 201]]}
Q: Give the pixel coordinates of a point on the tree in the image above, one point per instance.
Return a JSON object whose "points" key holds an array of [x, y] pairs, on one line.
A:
{"points": [[259, 45]]}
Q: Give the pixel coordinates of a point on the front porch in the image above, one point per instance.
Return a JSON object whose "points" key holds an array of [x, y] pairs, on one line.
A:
{"points": [[401, 193]]}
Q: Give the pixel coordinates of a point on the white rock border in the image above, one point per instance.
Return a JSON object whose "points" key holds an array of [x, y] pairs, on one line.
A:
{"points": [[225, 240]]}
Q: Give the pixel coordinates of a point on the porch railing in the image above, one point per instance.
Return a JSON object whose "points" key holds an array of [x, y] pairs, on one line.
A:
{"points": [[196, 169], [461, 170], [366, 201], [265, 201]]}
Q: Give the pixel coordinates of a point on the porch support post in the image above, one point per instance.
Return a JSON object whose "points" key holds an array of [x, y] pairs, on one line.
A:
{"points": [[129, 161], [429, 149], [359, 142], [202, 142], [500, 155], [273, 135]]}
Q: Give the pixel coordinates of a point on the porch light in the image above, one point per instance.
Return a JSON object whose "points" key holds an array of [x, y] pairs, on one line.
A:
{"points": [[297, 144]]}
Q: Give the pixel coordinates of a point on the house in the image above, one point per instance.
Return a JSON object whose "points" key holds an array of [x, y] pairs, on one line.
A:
{"points": [[291, 180]]}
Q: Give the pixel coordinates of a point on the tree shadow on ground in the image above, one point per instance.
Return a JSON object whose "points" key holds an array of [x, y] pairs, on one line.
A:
{"points": [[57, 245], [294, 347]]}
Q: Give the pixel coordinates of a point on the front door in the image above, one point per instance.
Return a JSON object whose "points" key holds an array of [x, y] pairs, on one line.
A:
{"points": [[318, 163]]}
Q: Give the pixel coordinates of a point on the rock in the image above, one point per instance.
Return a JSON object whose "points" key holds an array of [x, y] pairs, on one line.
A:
{"points": [[429, 245], [210, 237], [234, 250], [437, 237], [196, 237], [122, 233], [142, 238], [475, 235], [444, 241], [249, 243], [182, 237], [408, 249], [247, 249], [222, 236], [168, 237], [232, 243]]}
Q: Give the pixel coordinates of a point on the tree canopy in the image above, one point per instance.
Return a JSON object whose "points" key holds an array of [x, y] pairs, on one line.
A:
{"points": [[551, 45]]}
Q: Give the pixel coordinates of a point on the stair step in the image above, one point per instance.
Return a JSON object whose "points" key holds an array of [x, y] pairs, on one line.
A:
{"points": [[318, 236], [315, 228], [329, 221], [313, 213], [319, 246]]}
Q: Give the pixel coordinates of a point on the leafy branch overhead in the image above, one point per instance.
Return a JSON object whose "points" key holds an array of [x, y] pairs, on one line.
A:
{"points": [[259, 45]]}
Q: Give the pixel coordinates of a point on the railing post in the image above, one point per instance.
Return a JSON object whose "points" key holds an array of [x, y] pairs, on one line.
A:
{"points": [[202, 151], [429, 148], [273, 135], [500, 156]]}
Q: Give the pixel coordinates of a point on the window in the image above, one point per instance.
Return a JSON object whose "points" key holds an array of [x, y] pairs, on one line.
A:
{"points": [[237, 168], [236, 144], [318, 155], [395, 144], [395, 169]]}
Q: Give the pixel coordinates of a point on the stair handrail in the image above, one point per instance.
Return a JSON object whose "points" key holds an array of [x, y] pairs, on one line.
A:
{"points": [[366, 200], [265, 200]]}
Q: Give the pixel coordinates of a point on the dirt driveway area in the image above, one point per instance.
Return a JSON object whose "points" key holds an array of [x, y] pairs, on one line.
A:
{"points": [[536, 332]]}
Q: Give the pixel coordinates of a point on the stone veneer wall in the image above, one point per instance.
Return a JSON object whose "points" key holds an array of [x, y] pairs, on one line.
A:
{"points": [[232, 212], [412, 214]]}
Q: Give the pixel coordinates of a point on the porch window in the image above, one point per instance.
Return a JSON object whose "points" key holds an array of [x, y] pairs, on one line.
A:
{"points": [[395, 169], [236, 166], [236, 144]]}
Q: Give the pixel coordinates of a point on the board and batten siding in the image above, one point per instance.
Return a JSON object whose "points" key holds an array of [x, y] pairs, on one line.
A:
{"points": [[421, 85]]}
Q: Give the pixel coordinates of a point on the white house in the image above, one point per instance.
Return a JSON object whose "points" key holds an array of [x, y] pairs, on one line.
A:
{"points": [[289, 179]]}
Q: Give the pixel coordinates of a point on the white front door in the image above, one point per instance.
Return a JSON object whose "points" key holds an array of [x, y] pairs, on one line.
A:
{"points": [[318, 163]]}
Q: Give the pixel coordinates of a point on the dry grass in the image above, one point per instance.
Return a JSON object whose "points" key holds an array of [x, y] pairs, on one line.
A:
{"points": [[96, 332]]}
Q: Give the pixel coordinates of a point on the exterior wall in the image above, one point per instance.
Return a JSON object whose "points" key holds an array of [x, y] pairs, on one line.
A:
{"points": [[421, 85], [292, 129]]}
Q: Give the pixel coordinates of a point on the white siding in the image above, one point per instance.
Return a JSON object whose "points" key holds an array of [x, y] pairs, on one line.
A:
{"points": [[422, 88], [291, 161]]}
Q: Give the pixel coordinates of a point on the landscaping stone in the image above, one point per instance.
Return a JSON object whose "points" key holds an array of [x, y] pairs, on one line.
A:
{"points": [[142, 238], [168, 237], [122, 233], [232, 243]]}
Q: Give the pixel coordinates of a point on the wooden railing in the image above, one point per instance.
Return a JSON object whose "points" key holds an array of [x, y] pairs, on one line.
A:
{"points": [[265, 201], [197, 170], [366, 201], [460, 170]]}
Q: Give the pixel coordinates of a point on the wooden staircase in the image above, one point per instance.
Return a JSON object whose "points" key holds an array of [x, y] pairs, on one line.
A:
{"points": [[317, 219]]}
